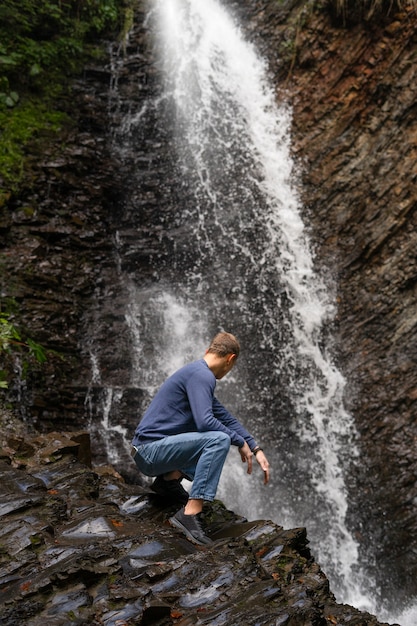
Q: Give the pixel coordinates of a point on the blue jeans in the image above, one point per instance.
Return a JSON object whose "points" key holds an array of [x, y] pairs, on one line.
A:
{"points": [[199, 456]]}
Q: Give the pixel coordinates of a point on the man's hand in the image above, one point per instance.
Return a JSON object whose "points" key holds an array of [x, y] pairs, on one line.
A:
{"points": [[247, 457], [263, 462]]}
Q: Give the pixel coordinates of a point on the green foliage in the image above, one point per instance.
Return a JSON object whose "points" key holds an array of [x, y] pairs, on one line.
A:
{"points": [[39, 36], [9, 98], [11, 342], [43, 43]]}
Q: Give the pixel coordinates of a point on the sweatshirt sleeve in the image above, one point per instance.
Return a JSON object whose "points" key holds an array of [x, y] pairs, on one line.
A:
{"points": [[226, 418], [209, 414]]}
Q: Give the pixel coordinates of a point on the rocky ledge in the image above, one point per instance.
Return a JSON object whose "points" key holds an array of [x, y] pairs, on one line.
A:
{"points": [[79, 545]]}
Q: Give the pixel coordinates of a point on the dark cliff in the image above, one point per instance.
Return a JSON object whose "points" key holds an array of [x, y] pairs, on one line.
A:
{"points": [[352, 89]]}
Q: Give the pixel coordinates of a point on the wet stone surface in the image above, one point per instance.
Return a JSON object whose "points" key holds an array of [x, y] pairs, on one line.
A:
{"points": [[78, 545]]}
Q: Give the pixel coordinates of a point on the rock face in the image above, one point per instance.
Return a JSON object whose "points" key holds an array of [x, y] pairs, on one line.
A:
{"points": [[66, 233], [353, 92], [79, 546]]}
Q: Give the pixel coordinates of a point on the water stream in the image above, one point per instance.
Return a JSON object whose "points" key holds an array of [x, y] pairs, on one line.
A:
{"points": [[252, 269], [238, 257]]}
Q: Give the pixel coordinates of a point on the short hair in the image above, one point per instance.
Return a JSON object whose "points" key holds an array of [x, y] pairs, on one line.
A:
{"points": [[224, 344]]}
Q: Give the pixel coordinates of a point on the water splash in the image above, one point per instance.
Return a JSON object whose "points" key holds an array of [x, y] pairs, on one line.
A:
{"points": [[407, 617], [166, 334], [101, 402]]}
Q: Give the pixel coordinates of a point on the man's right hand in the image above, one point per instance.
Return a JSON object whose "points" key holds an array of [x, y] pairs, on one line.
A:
{"points": [[263, 462]]}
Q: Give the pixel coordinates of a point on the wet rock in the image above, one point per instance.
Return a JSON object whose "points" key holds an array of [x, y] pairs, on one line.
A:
{"points": [[80, 546]]}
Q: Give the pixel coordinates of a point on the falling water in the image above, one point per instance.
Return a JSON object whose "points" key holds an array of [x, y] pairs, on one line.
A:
{"points": [[232, 143], [103, 428], [239, 258]]}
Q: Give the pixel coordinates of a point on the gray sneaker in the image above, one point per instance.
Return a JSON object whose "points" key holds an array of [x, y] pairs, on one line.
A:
{"points": [[190, 525]]}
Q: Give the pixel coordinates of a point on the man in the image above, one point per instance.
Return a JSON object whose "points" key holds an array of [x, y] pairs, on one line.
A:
{"points": [[187, 433]]}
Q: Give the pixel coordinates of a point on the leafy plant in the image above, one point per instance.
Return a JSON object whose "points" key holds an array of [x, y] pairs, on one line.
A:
{"points": [[11, 341], [10, 98], [50, 36]]}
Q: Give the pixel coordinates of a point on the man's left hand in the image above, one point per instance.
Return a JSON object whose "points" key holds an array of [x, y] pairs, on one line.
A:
{"points": [[246, 455]]}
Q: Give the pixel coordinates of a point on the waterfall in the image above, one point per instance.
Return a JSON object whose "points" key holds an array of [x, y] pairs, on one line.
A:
{"points": [[251, 257], [233, 253]]}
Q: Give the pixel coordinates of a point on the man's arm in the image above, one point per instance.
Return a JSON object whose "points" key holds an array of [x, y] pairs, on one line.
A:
{"points": [[226, 418], [250, 448], [200, 392]]}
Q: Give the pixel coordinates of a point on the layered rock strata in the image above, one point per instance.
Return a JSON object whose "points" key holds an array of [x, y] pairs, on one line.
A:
{"points": [[80, 546]]}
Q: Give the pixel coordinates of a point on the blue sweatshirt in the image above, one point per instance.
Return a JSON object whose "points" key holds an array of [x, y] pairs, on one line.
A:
{"points": [[186, 403]]}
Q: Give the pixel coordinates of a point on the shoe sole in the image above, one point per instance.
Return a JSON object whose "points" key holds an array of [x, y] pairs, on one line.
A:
{"points": [[190, 537]]}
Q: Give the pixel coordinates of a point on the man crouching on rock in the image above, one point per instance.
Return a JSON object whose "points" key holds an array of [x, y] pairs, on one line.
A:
{"points": [[187, 433]]}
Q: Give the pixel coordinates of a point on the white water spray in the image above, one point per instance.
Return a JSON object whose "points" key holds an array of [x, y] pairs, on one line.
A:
{"points": [[100, 407], [171, 341]]}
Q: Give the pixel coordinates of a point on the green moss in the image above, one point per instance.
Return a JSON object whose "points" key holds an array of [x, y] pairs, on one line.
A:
{"points": [[43, 44], [36, 540], [20, 126]]}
